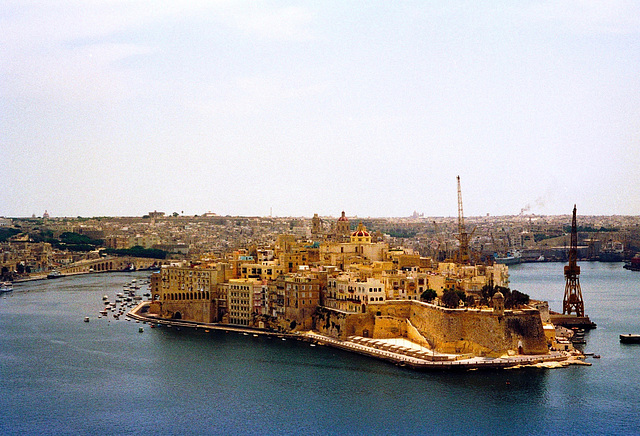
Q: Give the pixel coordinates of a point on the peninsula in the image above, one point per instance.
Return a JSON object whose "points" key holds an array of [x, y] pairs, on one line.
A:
{"points": [[353, 291]]}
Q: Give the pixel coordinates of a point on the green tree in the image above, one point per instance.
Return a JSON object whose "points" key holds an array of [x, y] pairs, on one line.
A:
{"points": [[7, 233], [428, 295], [450, 299], [470, 301], [515, 299]]}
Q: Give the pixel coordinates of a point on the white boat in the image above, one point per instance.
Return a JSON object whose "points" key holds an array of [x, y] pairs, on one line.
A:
{"points": [[6, 287], [55, 274]]}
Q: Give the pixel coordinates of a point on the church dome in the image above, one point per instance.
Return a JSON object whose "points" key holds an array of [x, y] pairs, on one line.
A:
{"points": [[361, 233], [343, 217]]}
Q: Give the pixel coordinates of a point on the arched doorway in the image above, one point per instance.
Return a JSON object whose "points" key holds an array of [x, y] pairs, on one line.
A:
{"points": [[177, 315]]}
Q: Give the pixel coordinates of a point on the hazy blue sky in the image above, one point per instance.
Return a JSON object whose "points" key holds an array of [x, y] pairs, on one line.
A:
{"points": [[124, 107]]}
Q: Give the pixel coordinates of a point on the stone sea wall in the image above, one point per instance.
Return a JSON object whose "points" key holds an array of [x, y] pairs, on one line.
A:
{"points": [[198, 311], [477, 332]]}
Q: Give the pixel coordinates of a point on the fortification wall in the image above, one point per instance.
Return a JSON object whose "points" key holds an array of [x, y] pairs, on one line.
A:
{"points": [[330, 322], [341, 325], [477, 332], [198, 311], [387, 327], [414, 335], [480, 332]]}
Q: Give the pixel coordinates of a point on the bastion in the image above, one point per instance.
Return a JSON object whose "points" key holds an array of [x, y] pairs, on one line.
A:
{"points": [[477, 332]]}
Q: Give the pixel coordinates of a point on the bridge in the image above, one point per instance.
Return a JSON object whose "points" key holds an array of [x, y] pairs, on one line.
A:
{"points": [[126, 263]]}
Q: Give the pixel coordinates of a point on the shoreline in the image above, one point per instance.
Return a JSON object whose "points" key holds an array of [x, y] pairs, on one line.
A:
{"points": [[424, 362]]}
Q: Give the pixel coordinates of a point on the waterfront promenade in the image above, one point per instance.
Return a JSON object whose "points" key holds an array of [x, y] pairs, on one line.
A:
{"points": [[414, 357]]}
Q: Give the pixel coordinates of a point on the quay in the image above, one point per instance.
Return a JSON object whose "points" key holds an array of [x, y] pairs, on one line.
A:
{"points": [[401, 355]]}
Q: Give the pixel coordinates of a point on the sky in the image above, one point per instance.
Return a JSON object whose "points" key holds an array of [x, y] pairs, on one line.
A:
{"points": [[290, 108]]}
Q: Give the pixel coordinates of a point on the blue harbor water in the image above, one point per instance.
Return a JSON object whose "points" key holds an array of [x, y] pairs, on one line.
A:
{"points": [[60, 375]]}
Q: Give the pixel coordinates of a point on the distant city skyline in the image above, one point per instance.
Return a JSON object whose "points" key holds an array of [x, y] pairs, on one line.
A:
{"points": [[295, 108]]}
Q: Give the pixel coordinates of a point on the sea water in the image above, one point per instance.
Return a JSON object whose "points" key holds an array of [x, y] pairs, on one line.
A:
{"points": [[60, 375]]}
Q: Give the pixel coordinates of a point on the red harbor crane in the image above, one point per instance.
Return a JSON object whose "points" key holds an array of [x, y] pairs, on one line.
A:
{"points": [[572, 301]]}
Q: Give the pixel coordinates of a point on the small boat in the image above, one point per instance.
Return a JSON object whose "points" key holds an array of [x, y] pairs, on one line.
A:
{"points": [[633, 264], [55, 274], [630, 339], [86, 319], [140, 330], [6, 287]]}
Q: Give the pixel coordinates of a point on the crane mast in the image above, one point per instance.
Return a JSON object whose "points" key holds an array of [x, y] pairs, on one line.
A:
{"points": [[572, 301], [463, 236]]}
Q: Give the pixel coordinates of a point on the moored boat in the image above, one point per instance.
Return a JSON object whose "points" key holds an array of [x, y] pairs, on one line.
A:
{"points": [[630, 339], [613, 251], [55, 274], [511, 258], [633, 264], [6, 287]]}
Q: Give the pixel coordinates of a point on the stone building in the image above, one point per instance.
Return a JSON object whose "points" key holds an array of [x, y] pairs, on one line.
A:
{"points": [[189, 292], [301, 298], [359, 249], [351, 294], [343, 228], [245, 300]]}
